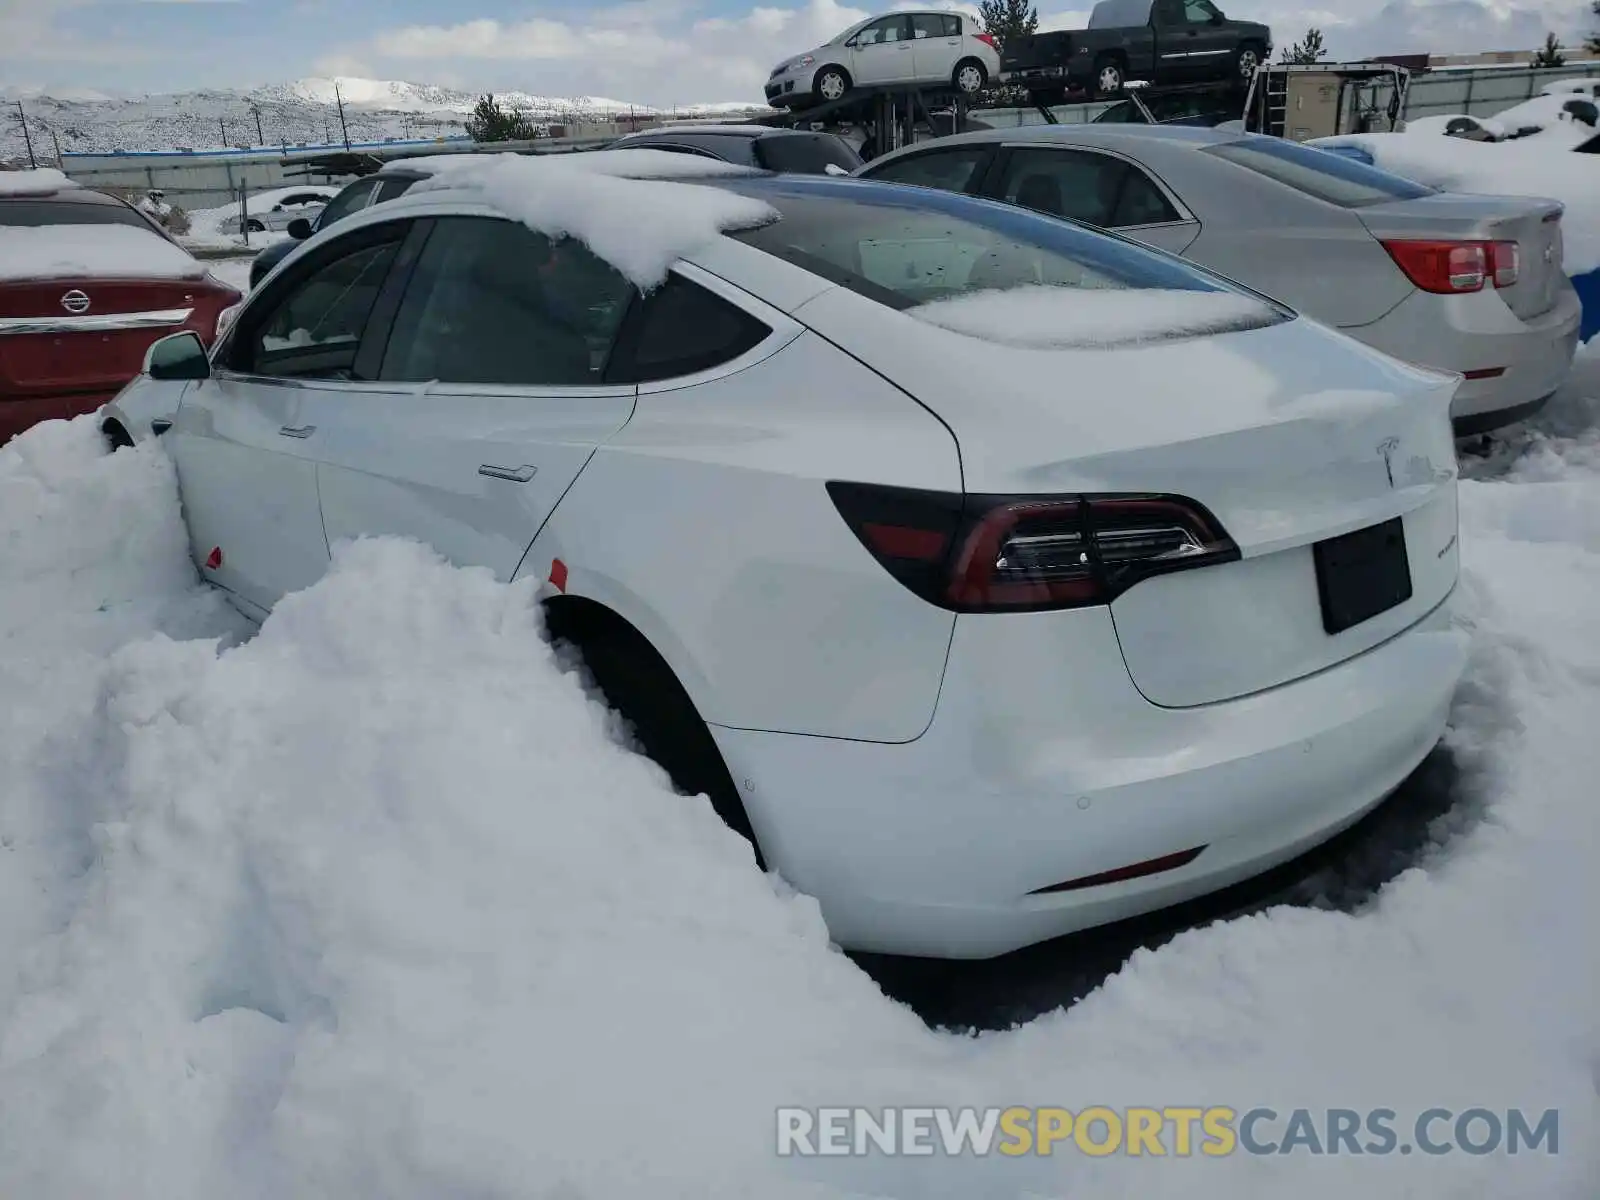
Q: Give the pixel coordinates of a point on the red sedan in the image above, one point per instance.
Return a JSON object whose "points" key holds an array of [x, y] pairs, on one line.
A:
{"points": [[87, 282]]}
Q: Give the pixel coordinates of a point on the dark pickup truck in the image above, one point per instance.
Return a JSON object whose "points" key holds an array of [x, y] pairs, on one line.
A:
{"points": [[1161, 41]]}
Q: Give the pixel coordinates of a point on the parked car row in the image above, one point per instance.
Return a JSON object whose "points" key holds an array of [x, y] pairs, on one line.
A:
{"points": [[816, 506], [1028, 395]]}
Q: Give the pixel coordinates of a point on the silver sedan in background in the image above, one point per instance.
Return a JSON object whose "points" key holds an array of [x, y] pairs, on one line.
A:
{"points": [[1468, 284]]}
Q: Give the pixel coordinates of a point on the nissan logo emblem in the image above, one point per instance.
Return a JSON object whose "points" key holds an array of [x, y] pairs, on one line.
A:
{"points": [[75, 302]]}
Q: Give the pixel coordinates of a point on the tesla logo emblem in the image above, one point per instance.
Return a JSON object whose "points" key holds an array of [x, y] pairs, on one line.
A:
{"points": [[1387, 447], [75, 302]]}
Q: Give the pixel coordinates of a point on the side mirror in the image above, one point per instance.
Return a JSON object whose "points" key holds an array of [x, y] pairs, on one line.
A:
{"points": [[1217, 18], [178, 356], [299, 229]]}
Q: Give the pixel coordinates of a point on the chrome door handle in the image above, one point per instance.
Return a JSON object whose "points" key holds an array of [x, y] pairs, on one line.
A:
{"points": [[299, 431], [515, 474]]}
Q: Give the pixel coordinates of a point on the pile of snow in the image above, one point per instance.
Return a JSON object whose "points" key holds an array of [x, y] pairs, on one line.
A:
{"points": [[374, 905], [41, 181], [1524, 167], [1050, 318], [603, 199], [91, 251]]}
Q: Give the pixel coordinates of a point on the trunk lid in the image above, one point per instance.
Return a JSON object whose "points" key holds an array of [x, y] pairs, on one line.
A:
{"points": [[82, 335], [1535, 225], [1290, 435]]}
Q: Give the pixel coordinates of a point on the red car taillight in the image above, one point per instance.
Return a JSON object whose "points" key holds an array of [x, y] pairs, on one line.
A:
{"points": [[1027, 553], [988, 40], [1447, 268]]}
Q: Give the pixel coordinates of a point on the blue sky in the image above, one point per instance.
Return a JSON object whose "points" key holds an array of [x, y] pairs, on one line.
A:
{"points": [[650, 51]]}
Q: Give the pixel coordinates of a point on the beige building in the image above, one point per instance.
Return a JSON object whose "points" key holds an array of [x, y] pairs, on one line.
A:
{"points": [[1508, 58]]}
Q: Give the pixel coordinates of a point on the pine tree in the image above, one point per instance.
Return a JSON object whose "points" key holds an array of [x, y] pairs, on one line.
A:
{"points": [[1007, 19], [1549, 54], [491, 123], [1311, 50]]}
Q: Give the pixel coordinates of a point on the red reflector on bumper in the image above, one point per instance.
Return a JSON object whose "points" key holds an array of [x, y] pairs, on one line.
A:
{"points": [[1153, 866]]}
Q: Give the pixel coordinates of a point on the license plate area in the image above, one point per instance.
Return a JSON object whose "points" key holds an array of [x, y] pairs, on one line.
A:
{"points": [[1362, 574]]}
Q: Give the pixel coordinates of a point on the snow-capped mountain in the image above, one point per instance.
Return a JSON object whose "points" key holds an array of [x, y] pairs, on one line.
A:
{"points": [[303, 111]]}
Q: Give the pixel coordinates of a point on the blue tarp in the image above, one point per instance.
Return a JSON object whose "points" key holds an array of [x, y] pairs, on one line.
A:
{"points": [[1588, 289]]}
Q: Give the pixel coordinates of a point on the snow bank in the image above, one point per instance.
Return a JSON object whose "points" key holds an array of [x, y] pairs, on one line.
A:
{"points": [[373, 905], [628, 206], [1048, 318], [1528, 167], [93, 251], [39, 182]]}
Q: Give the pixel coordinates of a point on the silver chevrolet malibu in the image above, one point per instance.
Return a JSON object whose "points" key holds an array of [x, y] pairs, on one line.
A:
{"points": [[1468, 284]]}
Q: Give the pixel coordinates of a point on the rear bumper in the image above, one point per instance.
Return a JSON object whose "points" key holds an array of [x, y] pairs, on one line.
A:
{"points": [[1043, 764], [20, 415], [1479, 333]]}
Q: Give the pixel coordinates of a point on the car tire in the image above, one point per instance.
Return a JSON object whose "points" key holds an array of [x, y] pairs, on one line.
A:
{"points": [[116, 436], [970, 77], [255, 226], [830, 84], [1247, 60], [639, 685], [1110, 73]]}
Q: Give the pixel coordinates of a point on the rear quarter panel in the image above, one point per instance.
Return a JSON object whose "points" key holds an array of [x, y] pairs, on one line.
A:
{"points": [[706, 524], [1315, 257]]}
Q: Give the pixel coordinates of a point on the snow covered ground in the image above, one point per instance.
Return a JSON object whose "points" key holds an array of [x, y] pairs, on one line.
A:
{"points": [[371, 903]]}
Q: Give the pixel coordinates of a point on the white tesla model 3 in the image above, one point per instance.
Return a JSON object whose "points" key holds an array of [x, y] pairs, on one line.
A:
{"points": [[996, 577]]}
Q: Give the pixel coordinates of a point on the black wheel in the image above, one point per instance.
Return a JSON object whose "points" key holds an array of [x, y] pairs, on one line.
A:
{"points": [[1248, 60], [255, 226], [640, 686], [1109, 76], [831, 84], [970, 77], [116, 436]]}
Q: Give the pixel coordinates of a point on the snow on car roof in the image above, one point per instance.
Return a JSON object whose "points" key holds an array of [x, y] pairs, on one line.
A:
{"points": [[1060, 318], [40, 182], [637, 209], [91, 252]]}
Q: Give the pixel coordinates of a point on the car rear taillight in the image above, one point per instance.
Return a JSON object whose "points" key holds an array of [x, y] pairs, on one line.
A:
{"points": [[1448, 268], [1027, 553], [1505, 263], [988, 40]]}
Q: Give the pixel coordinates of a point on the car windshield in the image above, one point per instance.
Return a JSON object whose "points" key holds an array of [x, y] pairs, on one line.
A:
{"points": [[35, 213], [346, 202], [904, 246], [1334, 178]]}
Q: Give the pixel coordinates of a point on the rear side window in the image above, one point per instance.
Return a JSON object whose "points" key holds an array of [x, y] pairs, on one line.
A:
{"points": [[926, 25], [34, 213], [806, 153], [493, 302], [904, 248], [947, 170], [1319, 173], [681, 328], [398, 185]]}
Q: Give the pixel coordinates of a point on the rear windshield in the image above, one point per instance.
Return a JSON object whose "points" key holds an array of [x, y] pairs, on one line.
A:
{"points": [[806, 154], [904, 246], [34, 213], [1327, 176]]}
